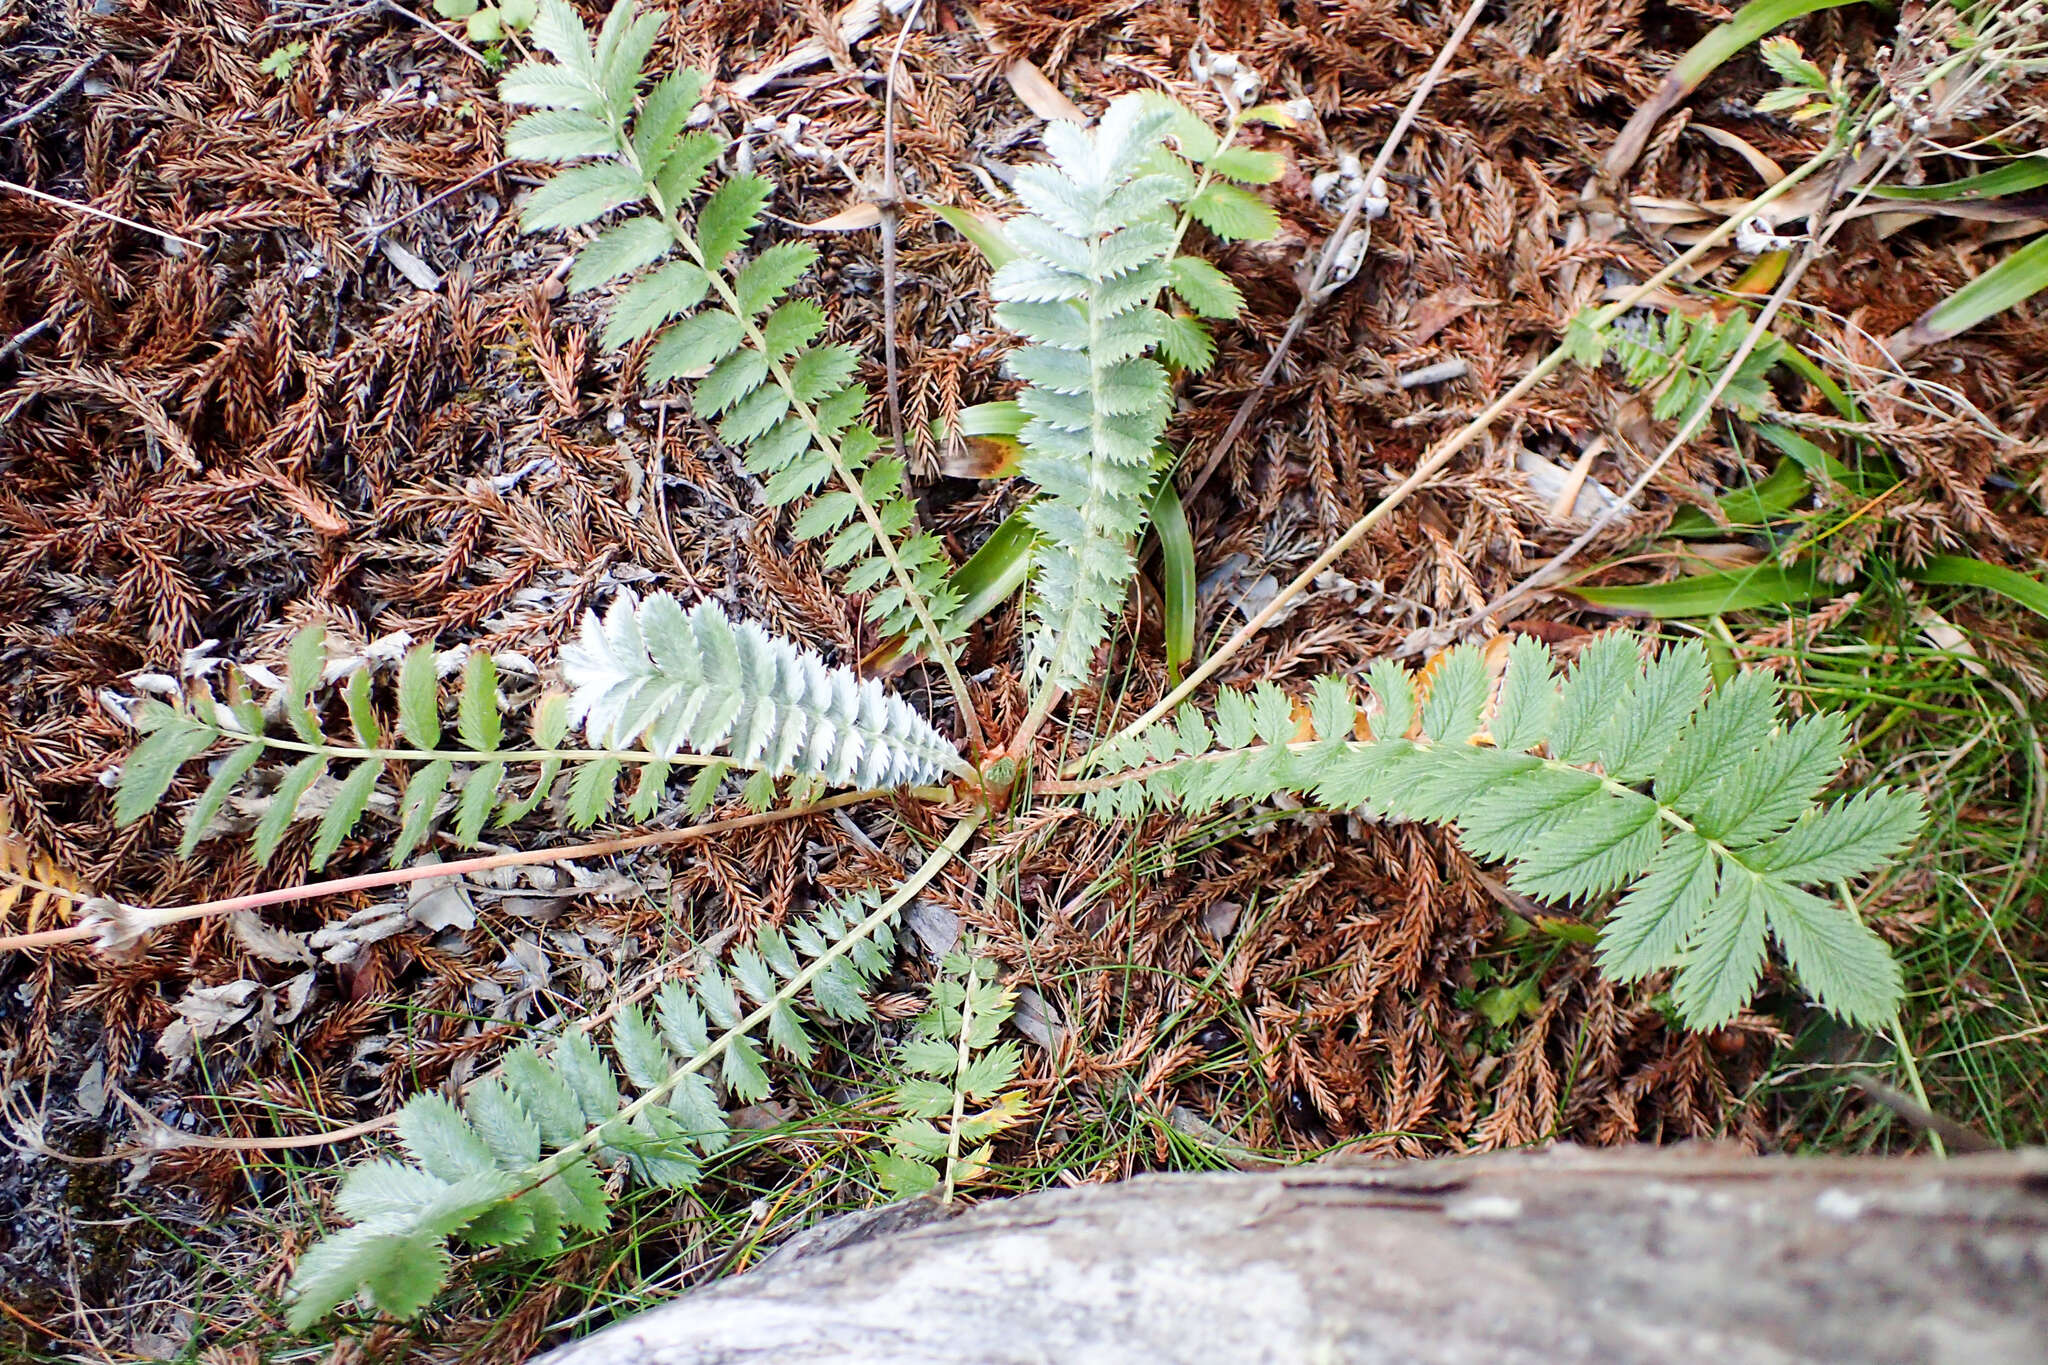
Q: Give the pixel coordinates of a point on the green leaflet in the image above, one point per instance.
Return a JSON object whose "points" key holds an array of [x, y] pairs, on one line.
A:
{"points": [[476, 714], [232, 770], [619, 250], [1204, 288], [419, 711], [284, 804], [1233, 214], [153, 765], [479, 798], [1623, 774], [346, 809], [418, 806], [653, 299], [579, 195]]}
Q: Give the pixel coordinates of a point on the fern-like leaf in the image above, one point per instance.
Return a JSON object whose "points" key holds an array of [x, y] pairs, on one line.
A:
{"points": [[752, 355], [522, 1158], [1681, 359], [1092, 260], [955, 1097], [1623, 775], [1093, 252], [651, 673]]}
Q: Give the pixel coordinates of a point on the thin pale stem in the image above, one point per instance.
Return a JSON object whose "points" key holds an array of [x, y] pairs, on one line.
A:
{"points": [[152, 917], [1323, 283], [890, 202], [965, 1059], [93, 211], [1911, 1066], [481, 755], [22, 879], [1442, 455], [1041, 707]]}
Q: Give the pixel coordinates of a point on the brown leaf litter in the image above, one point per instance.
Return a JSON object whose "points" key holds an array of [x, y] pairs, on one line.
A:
{"points": [[367, 402]]}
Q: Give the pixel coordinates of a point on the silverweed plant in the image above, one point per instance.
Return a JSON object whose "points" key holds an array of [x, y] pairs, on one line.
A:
{"points": [[1689, 818]]}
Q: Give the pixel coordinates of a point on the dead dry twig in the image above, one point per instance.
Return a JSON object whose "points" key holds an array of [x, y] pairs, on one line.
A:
{"points": [[1333, 271]]}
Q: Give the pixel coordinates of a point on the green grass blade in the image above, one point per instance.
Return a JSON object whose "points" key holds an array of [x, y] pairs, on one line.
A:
{"points": [[1796, 360], [1176, 576], [981, 443], [2013, 280], [2017, 177], [985, 234], [1966, 572], [1001, 418], [1711, 594], [1750, 23], [1766, 502]]}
